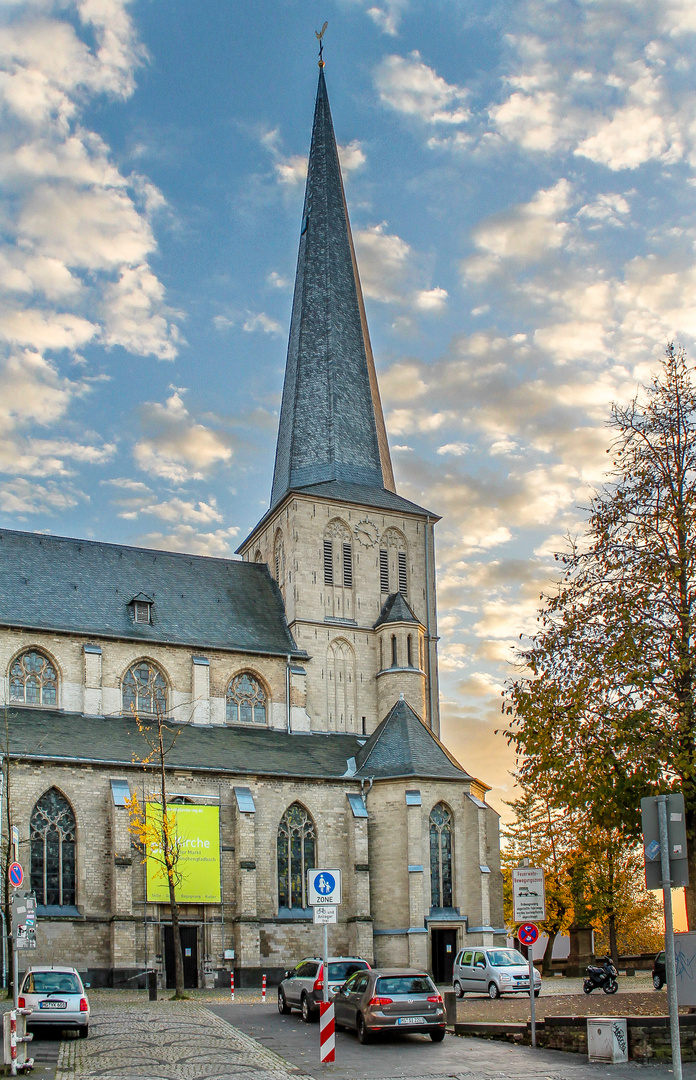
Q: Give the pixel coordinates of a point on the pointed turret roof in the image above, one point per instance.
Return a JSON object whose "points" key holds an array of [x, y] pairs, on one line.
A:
{"points": [[396, 609], [331, 422], [402, 746]]}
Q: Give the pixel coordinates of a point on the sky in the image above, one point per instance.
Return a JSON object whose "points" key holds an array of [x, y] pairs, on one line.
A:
{"points": [[520, 180]]}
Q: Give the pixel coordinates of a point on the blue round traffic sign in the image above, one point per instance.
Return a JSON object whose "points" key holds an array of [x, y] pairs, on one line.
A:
{"points": [[16, 874], [528, 933], [324, 883]]}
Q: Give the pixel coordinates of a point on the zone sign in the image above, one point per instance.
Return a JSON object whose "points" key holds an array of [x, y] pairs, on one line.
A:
{"points": [[324, 887]]}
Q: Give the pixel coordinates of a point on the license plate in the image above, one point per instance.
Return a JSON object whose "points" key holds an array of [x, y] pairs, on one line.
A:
{"points": [[412, 1020], [53, 1004]]}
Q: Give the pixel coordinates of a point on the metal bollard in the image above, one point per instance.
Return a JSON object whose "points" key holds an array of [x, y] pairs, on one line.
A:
{"points": [[263, 988], [232, 985], [450, 999], [152, 985]]}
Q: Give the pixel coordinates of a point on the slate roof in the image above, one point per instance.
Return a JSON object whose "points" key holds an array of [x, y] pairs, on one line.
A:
{"points": [[396, 609], [114, 740], [404, 746], [331, 422], [85, 587]]}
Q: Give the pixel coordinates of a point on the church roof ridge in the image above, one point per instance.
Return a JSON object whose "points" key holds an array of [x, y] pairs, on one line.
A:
{"points": [[331, 421]]}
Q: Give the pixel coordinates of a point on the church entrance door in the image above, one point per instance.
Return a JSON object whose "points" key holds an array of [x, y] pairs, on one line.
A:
{"points": [[444, 948], [189, 947]]}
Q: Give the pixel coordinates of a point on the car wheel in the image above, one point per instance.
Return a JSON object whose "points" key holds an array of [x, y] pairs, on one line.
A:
{"points": [[364, 1033], [657, 982], [84, 1031], [437, 1036], [537, 992], [308, 1013], [458, 990], [283, 1007], [493, 991]]}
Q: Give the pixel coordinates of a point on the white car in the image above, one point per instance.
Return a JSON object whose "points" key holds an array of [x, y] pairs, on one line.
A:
{"points": [[493, 972], [58, 998]]}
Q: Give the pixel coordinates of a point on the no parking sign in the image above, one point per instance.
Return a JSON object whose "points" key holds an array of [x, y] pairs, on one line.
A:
{"points": [[528, 933], [15, 874]]}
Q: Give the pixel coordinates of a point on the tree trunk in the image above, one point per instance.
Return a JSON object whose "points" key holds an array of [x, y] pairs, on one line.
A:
{"points": [[546, 967], [613, 947], [176, 934], [169, 861]]}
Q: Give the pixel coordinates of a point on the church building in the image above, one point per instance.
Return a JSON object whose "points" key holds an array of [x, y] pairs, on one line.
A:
{"points": [[302, 679]]}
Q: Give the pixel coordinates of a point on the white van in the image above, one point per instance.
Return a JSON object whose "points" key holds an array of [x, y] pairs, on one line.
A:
{"points": [[492, 971]]}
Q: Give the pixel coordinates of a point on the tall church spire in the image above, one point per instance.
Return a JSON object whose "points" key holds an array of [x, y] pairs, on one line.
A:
{"points": [[331, 421]]}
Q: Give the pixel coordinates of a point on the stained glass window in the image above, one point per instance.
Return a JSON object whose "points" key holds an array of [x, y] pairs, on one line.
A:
{"points": [[144, 690], [296, 855], [440, 856], [53, 850], [246, 700], [33, 680]]}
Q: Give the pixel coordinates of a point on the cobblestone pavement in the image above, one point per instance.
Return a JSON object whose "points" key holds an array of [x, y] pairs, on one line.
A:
{"points": [[165, 1040]]}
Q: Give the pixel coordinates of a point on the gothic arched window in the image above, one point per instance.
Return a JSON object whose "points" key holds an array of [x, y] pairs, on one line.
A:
{"points": [[246, 700], [144, 689], [33, 679], [441, 856], [296, 855], [53, 850], [340, 685]]}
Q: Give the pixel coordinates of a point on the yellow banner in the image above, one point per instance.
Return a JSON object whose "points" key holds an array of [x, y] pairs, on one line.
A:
{"points": [[198, 865]]}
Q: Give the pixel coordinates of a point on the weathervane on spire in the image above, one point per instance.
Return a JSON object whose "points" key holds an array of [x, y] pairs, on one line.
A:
{"points": [[320, 35]]}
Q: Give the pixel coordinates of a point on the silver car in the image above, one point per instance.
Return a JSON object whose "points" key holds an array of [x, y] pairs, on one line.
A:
{"points": [[390, 1000], [493, 972], [58, 998], [303, 986]]}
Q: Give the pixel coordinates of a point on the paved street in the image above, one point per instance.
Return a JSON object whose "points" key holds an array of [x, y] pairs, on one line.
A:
{"points": [[208, 1038]]}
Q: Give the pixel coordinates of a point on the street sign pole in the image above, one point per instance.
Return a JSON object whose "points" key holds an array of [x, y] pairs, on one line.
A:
{"points": [[326, 961], [670, 962], [532, 1002]]}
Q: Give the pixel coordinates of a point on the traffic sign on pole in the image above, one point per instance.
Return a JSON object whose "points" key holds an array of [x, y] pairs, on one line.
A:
{"points": [[324, 914], [324, 887], [528, 933], [528, 894], [15, 874], [676, 835]]}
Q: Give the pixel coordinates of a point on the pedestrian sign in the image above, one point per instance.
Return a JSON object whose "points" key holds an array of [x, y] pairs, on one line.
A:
{"points": [[16, 874], [324, 887]]}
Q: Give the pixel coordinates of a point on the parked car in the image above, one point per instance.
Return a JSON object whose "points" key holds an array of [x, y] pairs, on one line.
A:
{"points": [[390, 1000], [58, 998], [303, 986], [493, 972], [659, 974]]}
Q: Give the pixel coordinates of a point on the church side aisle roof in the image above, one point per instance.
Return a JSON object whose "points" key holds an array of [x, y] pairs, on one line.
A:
{"points": [[85, 587], [402, 746], [331, 421]]}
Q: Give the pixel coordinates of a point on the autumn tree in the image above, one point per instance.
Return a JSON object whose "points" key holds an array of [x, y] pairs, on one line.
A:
{"points": [[155, 833], [538, 834], [603, 709]]}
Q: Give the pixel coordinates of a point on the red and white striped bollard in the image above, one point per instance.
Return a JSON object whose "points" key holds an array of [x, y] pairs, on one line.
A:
{"points": [[13, 1042], [327, 1032], [232, 985], [263, 988]]}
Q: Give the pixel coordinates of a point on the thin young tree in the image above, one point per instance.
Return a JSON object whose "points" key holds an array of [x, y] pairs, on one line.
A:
{"points": [[603, 711], [155, 833]]}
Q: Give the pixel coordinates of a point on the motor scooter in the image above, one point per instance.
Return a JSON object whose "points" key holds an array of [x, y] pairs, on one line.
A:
{"points": [[604, 977]]}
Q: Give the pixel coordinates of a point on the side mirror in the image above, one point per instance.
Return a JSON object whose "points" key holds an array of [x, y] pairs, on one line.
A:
{"points": [[289, 974]]}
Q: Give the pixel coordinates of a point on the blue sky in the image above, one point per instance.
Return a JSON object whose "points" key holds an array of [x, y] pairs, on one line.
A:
{"points": [[520, 178]]}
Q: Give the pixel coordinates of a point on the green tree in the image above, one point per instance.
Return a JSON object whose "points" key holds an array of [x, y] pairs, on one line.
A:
{"points": [[603, 712]]}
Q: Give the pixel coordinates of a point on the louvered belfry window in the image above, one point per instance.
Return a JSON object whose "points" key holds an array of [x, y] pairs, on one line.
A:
{"points": [[384, 570], [348, 566], [328, 562], [403, 583]]}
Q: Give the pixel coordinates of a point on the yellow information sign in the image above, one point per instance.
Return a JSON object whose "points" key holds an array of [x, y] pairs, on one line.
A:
{"points": [[198, 864]]}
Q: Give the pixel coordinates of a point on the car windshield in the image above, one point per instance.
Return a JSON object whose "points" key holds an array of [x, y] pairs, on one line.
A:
{"points": [[404, 984], [506, 958], [52, 982], [344, 970]]}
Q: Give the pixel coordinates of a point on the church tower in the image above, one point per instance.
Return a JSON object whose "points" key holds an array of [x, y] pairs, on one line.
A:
{"points": [[353, 560]]}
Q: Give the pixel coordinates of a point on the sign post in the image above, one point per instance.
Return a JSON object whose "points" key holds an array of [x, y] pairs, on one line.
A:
{"points": [[324, 889], [528, 934], [669, 845]]}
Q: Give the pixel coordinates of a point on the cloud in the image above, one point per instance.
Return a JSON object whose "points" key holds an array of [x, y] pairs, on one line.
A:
{"points": [[384, 261], [262, 322], [412, 88], [352, 157], [292, 169], [219, 543], [25, 497], [176, 447], [433, 300], [278, 281]]}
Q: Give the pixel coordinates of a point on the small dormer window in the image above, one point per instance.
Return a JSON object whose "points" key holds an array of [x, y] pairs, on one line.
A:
{"points": [[141, 608]]}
